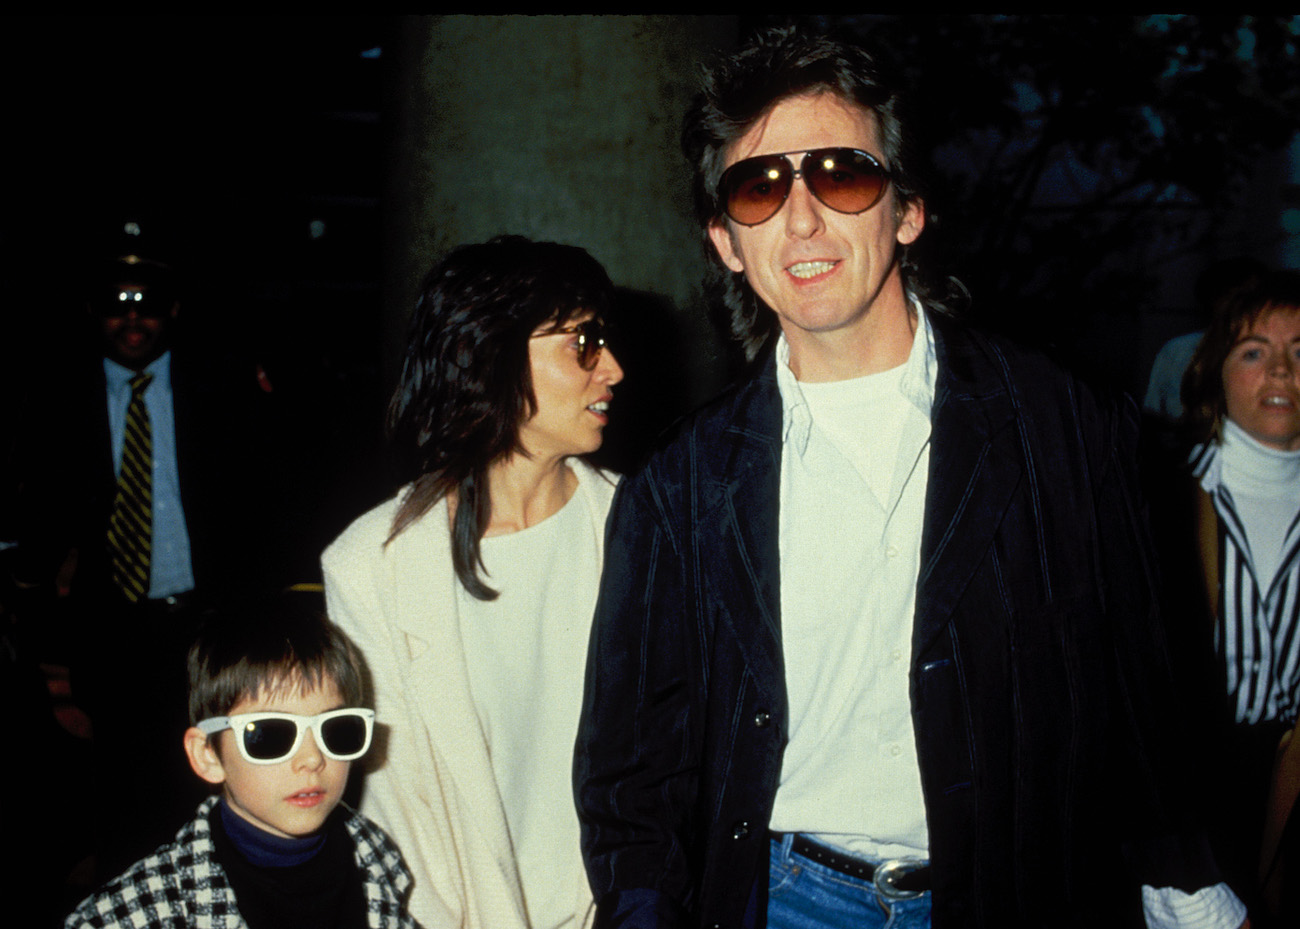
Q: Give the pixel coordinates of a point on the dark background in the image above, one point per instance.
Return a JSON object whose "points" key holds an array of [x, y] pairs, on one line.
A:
{"points": [[1087, 168]]}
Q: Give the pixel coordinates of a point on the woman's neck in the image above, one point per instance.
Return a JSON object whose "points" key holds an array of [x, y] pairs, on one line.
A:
{"points": [[524, 491], [1257, 468]]}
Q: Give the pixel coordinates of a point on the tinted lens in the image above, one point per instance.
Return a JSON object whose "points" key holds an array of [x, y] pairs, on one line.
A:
{"points": [[344, 735], [119, 301], [267, 739], [591, 339], [844, 179], [751, 191]]}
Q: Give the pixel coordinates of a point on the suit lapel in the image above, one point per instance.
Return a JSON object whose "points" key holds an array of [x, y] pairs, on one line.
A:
{"points": [[975, 467], [740, 514]]}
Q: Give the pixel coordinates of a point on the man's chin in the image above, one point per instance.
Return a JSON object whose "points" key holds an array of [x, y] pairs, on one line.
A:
{"points": [[135, 356]]}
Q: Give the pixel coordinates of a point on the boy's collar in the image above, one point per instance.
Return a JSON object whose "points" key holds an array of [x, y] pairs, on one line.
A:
{"points": [[263, 849]]}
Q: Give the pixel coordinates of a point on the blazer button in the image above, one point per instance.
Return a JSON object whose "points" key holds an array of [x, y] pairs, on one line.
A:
{"points": [[740, 830], [762, 719]]}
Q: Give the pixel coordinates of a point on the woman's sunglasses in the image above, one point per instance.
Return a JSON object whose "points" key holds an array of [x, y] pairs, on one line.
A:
{"points": [[845, 179], [591, 339], [269, 738]]}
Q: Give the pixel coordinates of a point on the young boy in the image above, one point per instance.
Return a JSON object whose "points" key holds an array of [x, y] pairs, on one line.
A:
{"points": [[276, 721]]}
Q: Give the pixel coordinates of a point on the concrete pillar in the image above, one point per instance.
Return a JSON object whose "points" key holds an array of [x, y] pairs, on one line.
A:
{"points": [[563, 128]]}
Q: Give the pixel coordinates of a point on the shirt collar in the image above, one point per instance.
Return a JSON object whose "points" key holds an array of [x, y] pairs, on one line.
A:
{"points": [[119, 376], [917, 384]]}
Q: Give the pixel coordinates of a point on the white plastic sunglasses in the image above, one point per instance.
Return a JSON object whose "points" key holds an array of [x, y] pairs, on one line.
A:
{"points": [[269, 738]]}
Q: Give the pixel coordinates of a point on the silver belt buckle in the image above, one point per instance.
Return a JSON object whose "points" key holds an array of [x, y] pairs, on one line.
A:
{"points": [[893, 870]]}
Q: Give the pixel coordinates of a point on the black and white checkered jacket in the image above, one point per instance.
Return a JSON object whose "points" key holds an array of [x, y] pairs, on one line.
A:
{"points": [[181, 885]]}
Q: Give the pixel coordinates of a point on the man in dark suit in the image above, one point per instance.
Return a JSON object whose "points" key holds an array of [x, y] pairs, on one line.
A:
{"points": [[141, 503], [876, 640]]}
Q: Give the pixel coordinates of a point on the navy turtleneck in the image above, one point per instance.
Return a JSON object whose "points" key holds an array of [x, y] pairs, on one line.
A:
{"points": [[263, 849], [290, 883]]}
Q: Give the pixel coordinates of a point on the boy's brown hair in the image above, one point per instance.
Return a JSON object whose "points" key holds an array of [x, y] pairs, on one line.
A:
{"points": [[261, 646]]}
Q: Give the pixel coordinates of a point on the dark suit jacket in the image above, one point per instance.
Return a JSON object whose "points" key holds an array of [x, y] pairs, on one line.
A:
{"points": [[1037, 663], [221, 427]]}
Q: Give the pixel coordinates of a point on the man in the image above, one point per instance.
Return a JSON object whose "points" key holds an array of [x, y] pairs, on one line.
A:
{"points": [[141, 502], [876, 630]]}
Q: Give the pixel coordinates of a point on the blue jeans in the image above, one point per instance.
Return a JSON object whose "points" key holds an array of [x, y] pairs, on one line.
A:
{"points": [[803, 894]]}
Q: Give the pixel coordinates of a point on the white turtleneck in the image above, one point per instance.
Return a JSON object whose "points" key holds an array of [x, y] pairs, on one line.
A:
{"points": [[1265, 486]]}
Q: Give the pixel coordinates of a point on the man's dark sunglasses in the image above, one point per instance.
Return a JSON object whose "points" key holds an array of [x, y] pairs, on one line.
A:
{"points": [[125, 299], [847, 180]]}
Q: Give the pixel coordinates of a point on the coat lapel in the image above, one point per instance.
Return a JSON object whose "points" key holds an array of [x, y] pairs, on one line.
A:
{"points": [[426, 613], [741, 516], [975, 467]]}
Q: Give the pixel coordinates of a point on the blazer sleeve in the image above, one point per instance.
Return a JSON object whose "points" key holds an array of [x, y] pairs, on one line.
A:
{"points": [[636, 768], [1154, 740], [402, 792]]}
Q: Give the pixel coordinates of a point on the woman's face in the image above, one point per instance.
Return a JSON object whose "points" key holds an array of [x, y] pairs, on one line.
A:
{"points": [[1261, 379], [572, 402]]}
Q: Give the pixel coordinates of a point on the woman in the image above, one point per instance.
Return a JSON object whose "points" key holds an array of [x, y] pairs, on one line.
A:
{"points": [[471, 592], [1242, 392]]}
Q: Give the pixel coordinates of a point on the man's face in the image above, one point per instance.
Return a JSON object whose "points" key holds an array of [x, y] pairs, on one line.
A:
{"points": [[134, 330], [826, 274]]}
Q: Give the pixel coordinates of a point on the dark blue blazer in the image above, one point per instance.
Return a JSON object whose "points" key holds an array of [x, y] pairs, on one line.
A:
{"points": [[1038, 666]]}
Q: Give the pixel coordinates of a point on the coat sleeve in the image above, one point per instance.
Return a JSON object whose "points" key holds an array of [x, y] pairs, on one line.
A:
{"points": [[1154, 740], [402, 792], [636, 770]]}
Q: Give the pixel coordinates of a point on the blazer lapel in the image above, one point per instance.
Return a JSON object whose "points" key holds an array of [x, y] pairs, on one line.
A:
{"points": [[975, 467], [426, 613], [740, 521]]}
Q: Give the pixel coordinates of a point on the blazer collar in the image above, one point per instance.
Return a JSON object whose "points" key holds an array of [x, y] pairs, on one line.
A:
{"points": [[741, 522], [426, 614], [975, 467]]}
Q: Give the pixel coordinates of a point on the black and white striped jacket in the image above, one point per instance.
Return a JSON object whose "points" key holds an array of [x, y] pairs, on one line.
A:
{"points": [[181, 885], [1258, 632]]}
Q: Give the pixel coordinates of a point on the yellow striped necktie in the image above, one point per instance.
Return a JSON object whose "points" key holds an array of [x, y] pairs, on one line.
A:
{"points": [[130, 525]]}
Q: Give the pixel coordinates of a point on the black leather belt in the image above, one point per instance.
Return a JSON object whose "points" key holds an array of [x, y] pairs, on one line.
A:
{"points": [[896, 879]]}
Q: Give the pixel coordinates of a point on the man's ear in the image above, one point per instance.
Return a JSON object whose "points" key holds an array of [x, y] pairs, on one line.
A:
{"points": [[203, 756], [911, 220], [720, 235]]}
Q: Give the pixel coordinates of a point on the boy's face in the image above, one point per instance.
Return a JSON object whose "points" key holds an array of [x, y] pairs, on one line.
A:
{"points": [[288, 799]]}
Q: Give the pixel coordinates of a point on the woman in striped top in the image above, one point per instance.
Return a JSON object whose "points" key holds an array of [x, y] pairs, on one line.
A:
{"points": [[1242, 390]]}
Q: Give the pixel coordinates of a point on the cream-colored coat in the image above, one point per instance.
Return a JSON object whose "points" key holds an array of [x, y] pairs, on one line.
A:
{"points": [[429, 781]]}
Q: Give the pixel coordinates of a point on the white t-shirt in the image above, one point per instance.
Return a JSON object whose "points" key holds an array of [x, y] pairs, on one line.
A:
{"points": [[527, 653]]}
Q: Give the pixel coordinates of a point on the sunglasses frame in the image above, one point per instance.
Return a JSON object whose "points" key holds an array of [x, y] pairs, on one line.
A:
{"points": [[789, 173], [238, 721], [588, 357], [146, 303]]}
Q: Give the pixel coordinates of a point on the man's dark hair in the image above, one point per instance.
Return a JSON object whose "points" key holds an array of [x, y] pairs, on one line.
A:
{"points": [[1205, 404], [466, 384], [779, 64], [261, 645]]}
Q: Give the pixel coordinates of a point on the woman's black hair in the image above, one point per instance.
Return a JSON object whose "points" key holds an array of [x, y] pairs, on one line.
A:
{"points": [[466, 385]]}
